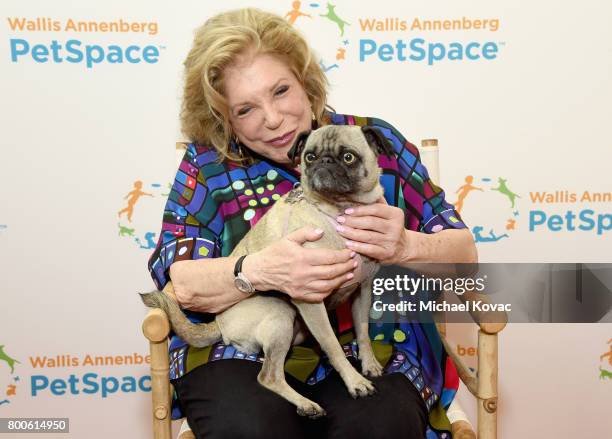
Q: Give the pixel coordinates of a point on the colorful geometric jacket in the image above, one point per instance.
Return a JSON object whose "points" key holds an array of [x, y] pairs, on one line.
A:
{"points": [[212, 206]]}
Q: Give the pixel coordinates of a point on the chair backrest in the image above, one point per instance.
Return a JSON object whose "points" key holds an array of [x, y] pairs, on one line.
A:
{"points": [[429, 157]]}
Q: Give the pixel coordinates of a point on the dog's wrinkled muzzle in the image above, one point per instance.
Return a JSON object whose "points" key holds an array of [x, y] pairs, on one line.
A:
{"points": [[328, 179]]}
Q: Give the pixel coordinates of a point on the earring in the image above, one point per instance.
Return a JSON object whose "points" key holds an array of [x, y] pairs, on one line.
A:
{"points": [[237, 145]]}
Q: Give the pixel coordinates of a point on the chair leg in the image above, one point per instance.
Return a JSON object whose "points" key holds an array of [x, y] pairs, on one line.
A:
{"points": [[155, 328], [160, 386], [487, 385]]}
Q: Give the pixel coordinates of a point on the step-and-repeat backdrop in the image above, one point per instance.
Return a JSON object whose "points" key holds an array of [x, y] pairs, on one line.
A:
{"points": [[518, 94]]}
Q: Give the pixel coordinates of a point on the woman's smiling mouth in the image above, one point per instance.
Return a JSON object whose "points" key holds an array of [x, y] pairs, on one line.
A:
{"points": [[283, 140]]}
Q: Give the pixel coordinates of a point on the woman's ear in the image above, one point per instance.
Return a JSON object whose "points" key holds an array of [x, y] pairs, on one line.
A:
{"points": [[296, 150], [377, 141]]}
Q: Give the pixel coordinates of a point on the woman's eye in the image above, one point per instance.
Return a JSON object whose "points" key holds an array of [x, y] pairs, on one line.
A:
{"points": [[243, 111], [310, 157], [348, 158], [282, 90]]}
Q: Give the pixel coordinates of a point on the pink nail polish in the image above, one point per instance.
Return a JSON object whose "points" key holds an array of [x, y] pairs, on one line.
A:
{"points": [[350, 276], [340, 219], [349, 243], [340, 228], [353, 254], [355, 264], [349, 211]]}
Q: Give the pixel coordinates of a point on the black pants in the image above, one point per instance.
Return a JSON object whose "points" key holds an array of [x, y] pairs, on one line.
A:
{"points": [[223, 399]]}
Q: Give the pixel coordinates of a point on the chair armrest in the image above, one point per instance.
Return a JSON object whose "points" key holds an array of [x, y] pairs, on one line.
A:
{"points": [[156, 326], [490, 322]]}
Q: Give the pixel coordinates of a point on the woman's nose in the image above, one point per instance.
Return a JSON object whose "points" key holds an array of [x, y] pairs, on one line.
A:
{"points": [[273, 117]]}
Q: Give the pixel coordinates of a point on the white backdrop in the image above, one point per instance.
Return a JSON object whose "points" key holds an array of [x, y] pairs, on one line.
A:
{"points": [[75, 139]]}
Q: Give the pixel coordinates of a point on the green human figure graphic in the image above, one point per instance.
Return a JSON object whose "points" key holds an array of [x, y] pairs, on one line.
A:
{"points": [[331, 15], [10, 361], [294, 13], [464, 190], [603, 373], [132, 198], [503, 189]]}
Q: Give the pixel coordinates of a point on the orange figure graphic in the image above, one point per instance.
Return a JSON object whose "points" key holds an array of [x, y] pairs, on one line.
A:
{"points": [[133, 198], [295, 12], [510, 224], [464, 190], [340, 53], [608, 354], [10, 390]]}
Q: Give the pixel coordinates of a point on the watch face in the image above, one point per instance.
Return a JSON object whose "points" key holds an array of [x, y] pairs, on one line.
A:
{"points": [[242, 285]]}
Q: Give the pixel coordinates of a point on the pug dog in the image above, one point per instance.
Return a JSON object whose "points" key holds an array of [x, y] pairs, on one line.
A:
{"points": [[339, 169]]}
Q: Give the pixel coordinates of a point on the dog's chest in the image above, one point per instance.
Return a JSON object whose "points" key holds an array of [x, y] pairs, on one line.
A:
{"points": [[331, 239]]}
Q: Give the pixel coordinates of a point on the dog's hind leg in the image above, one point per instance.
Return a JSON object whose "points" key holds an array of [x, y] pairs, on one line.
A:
{"points": [[275, 335], [361, 316], [315, 317]]}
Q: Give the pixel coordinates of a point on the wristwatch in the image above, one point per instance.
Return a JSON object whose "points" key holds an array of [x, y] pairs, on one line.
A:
{"points": [[240, 280]]}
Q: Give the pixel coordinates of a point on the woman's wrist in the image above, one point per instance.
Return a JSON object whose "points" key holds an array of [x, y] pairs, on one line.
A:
{"points": [[446, 246], [252, 267]]}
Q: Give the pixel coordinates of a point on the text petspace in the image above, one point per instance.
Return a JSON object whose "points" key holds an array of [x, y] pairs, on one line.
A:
{"points": [[75, 41], [423, 48], [595, 215], [75, 382]]}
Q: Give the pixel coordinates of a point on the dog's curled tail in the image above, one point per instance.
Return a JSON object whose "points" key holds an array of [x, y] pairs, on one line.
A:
{"points": [[198, 335]]}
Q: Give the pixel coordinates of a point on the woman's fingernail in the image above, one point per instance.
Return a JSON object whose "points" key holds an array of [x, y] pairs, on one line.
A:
{"points": [[318, 231], [340, 219], [340, 228], [355, 264], [350, 276], [353, 254], [349, 243], [349, 211]]}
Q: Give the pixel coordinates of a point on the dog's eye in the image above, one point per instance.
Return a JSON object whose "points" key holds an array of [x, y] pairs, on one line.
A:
{"points": [[309, 157], [348, 158]]}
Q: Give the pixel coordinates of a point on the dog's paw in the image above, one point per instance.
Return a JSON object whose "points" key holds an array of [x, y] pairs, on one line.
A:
{"points": [[360, 386], [311, 409], [370, 367]]}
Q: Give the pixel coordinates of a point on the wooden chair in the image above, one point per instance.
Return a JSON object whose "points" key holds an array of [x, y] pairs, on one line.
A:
{"points": [[156, 328], [484, 385]]}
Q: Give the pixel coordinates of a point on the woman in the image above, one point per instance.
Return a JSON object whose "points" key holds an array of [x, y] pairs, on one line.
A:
{"points": [[251, 86]]}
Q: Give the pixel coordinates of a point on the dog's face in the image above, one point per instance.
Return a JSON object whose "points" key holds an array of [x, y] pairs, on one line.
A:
{"points": [[339, 161]]}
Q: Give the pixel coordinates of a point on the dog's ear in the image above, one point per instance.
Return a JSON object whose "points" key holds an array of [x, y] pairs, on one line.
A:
{"points": [[296, 150], [377, 141]]}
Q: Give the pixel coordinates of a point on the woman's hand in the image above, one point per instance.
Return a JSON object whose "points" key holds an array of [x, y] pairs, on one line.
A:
{"points": [[375, 230], [305, 274]]}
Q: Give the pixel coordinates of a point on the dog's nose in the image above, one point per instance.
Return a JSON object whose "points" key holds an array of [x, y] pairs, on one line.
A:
{"points": [[327, 159]]}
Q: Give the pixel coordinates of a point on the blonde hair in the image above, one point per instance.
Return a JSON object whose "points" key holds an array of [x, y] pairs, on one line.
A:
{"points": [[204, 113]]}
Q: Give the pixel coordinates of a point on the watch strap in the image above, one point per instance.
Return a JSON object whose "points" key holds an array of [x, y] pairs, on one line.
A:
{"points": [[238, 266]]}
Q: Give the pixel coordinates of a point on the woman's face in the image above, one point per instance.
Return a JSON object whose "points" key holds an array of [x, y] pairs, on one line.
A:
{"points": [[268, 107]]}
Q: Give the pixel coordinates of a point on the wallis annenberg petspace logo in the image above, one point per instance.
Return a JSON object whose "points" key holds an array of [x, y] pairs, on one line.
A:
{"points": [[47, 40], [398, 38], [428, 40]]}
